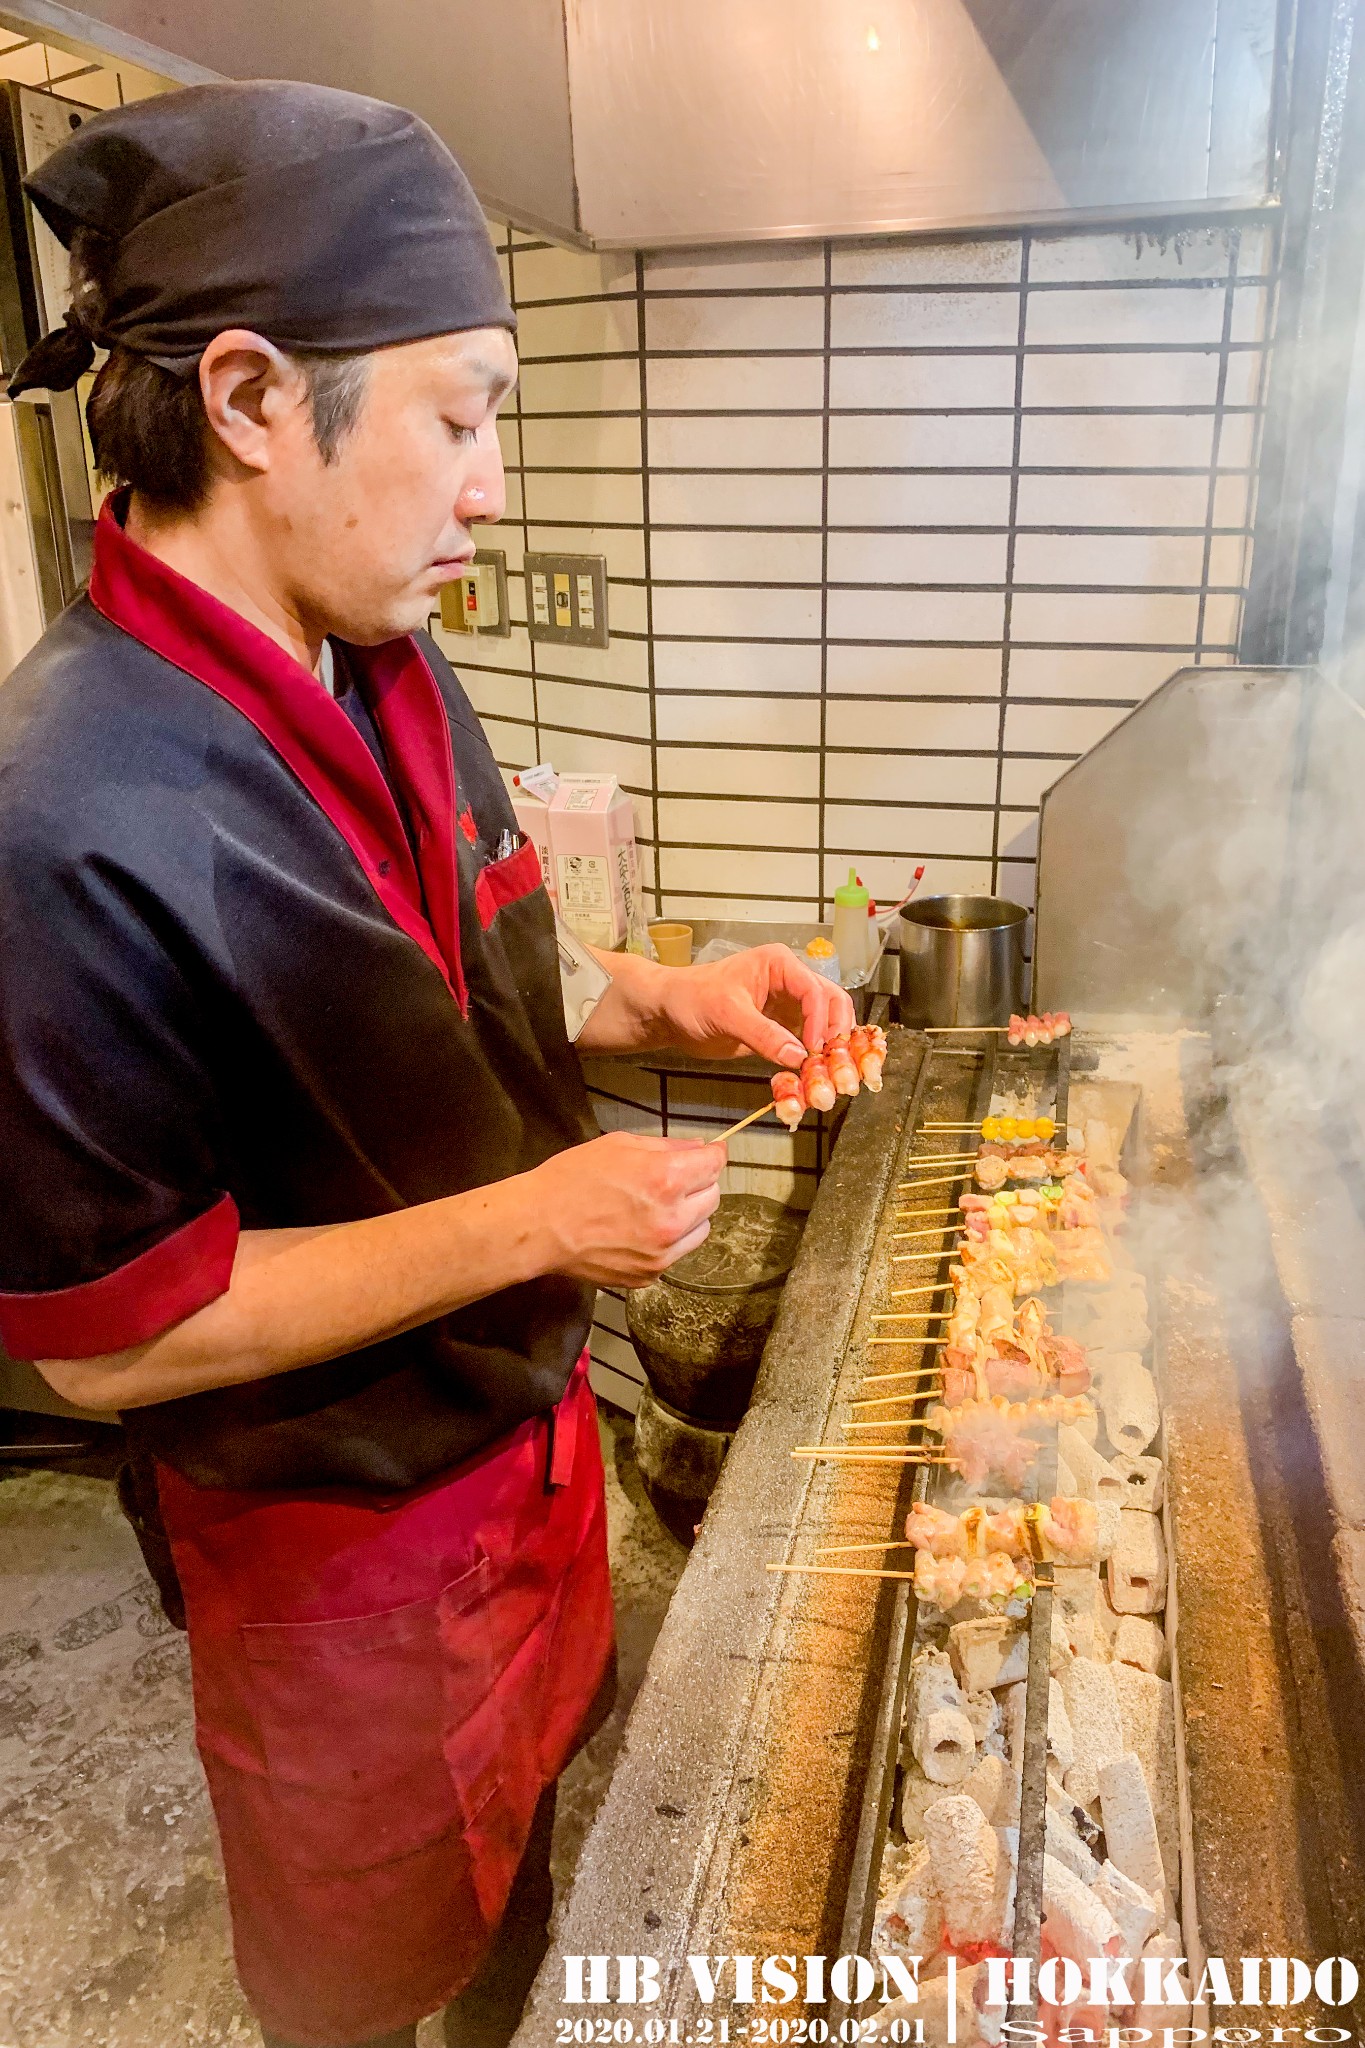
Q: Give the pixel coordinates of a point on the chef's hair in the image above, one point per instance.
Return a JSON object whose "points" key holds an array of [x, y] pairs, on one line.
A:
{"points": [[148, 427]]}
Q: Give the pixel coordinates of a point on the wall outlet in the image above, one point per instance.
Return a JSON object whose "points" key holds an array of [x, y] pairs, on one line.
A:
{"points": [[476, 602], [566, 599]]}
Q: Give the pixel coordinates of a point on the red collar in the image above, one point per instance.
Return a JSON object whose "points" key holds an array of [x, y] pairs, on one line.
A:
{"points": [[311, 734]]}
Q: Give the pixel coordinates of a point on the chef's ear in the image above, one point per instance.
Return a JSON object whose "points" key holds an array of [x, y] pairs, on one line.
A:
{"points": [[251, 393]]}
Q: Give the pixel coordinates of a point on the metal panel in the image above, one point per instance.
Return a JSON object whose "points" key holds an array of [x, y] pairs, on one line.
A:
{"points": [[803, 116], [698, 121], [1207, 859], [491, 80]]}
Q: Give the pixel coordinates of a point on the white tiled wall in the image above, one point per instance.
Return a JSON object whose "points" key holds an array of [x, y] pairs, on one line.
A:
{"points": [[893, 530]]}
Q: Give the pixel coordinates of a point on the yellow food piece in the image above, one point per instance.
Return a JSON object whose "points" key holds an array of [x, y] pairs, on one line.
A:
{"points": [[820, 949], [1009, 1127], [990, 1129], [1044, 1127], [1025, 1128]]}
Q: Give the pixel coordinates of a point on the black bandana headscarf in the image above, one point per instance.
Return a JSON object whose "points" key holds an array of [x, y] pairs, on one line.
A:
{"points": [[317, 219]]}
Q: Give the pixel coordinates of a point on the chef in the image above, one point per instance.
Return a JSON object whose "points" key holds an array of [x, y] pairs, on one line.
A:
{"points": [[300, 1174]]}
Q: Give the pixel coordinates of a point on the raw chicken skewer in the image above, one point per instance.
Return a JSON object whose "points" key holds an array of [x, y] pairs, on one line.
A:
{"points": [[840, 1067], [1030, 1030]]}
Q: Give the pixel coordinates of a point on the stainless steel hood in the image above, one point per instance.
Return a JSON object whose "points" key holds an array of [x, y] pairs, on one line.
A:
{"points": [[640, 123]]}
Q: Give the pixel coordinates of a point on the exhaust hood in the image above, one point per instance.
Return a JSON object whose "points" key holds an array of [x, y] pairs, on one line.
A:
{"points": [[643, 123]]}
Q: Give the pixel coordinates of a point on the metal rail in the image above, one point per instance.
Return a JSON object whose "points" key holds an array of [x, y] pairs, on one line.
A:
{"points": [[1028, 1894], [875, 1813]]}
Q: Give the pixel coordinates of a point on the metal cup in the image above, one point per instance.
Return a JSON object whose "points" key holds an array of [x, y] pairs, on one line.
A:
{"points": [[962, 960]]}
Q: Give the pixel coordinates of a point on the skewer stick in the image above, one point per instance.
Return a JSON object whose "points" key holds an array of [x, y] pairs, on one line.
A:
{"points": [[870, 1454], [938, 1180], [893, 1422], [941, 1159], [943, 1030], [842, 1571], [890, 1400], [877, 1379], [743, 1124], [929, 1287], [847, 1549], [951, 1127]]}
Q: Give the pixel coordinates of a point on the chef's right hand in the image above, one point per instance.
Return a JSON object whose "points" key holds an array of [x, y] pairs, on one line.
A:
{"points": [[621, 1209]]}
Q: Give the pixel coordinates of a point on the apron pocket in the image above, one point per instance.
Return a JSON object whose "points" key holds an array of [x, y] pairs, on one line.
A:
{"points": [[506, 881], [359, 1722]]}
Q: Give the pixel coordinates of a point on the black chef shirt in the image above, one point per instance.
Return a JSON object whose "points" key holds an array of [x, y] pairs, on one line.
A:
{"points": [[249, 980]]}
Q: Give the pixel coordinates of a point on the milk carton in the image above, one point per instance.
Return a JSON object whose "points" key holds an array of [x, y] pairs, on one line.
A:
{"points": [[596, 865], [531, 793]]}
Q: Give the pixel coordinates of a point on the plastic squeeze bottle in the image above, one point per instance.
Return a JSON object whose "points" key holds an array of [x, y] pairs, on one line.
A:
{"points": [[850, 929]]}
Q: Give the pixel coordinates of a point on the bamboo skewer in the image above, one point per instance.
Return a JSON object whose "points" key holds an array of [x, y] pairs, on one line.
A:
{"points": [[892, 1422], [876, 1379], [842, 1571], [902, 1340], [928, 1287], [889, 1400], [938, 1180], [847, 1549], [941, 1159], [743, 1124], [942, 1030], [870, 1454]]}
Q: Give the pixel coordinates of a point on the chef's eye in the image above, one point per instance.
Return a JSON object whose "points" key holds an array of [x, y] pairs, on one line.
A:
{"points": [[466, 436]]}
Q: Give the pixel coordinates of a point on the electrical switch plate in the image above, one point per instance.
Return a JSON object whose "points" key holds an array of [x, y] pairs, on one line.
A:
{"points": [[476, 602], [566, 599]]}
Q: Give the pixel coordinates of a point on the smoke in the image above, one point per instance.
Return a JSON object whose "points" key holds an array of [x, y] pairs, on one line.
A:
{"points": [[1228, 823]]}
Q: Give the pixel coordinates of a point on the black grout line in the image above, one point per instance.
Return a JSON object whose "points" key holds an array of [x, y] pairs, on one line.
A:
{"points": [[1011, 546], [945, 289], [983, 351], [892, 412], [887, 531], [646, 550]]}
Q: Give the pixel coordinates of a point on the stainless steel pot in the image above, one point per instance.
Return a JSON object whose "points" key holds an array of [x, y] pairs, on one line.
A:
{"points": [[962, 960]]}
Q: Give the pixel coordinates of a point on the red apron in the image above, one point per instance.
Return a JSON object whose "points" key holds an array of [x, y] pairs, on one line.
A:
{"points": [[383, 1686]]}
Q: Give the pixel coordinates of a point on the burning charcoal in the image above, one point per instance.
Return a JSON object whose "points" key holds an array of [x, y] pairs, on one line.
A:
{"points": [[1140, 1641], [909, 1917], [1146, 1707], [983, 1711], [1074, 1920], [1130, 1831], [1096, 1478], [942, 1739], [1096, 1729], [995, 1788], [1144, 1481], [988, 1653], [930, 2010], [1136, 1911], [1076, 1817], [1128, 1400], [1068, 1848], [972, 1871], [1136, 1572], [1059, 1740]]}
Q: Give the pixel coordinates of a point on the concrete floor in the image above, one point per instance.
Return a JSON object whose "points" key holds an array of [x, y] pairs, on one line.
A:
{"points": [[113, 1928]]}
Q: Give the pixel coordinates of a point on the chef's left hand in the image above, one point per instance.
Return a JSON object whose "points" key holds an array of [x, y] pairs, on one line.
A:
{"points": [[764, 1000]]}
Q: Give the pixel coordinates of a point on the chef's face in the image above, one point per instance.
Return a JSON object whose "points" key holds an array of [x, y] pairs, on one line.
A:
{"points": [[369, 537]]}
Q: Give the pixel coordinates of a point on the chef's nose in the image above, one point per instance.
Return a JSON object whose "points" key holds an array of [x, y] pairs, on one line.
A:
{"points": [[483, 494]]}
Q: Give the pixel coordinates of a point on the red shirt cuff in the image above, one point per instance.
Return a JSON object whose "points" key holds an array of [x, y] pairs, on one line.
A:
{"points": [[161, 1286]]}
